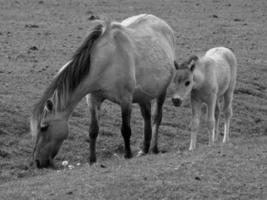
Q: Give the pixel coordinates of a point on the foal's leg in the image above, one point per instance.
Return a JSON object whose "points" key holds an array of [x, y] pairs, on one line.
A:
{"points": [[157, 117], [217, 120], [126, 109], [227, 109], [146, 113], [196, 113], [94, 107], [211, 119]]}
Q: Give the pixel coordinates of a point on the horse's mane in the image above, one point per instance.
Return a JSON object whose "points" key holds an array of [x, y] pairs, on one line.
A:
{"points": [[71, 76], [79, 66]]}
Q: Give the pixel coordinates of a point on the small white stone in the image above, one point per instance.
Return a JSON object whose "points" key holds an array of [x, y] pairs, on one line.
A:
{"points": [[78, 164], [116, 155], [65, 163], [70, 166]]}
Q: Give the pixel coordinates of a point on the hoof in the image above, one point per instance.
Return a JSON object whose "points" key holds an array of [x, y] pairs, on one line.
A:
{"points": [[92, 161], [211, 144], [228, 143], [128, 156], [191, 148], [140, 153], [226, 140], [155, 150]]}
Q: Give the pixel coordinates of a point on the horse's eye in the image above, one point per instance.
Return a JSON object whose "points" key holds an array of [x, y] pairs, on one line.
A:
{"points": [[187, 83], [44, 128]]}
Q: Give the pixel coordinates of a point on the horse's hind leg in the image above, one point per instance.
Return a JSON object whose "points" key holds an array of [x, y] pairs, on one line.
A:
{"points": [[157, 117], [94, 107], [146, 113], [227, 109], [126, 109]]}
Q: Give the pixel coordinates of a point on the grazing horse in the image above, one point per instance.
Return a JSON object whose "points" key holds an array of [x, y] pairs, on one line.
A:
{"points": [[127, 62], [208, 79]]}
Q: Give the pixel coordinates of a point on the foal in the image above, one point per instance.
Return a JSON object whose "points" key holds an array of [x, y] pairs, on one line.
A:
{"points": [[208, 79]]}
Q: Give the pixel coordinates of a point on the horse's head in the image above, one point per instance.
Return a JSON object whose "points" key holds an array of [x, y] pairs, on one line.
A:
{"points": [[183, 80], [49, 134]]}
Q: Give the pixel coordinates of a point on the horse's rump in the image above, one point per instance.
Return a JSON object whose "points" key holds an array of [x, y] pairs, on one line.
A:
{"points": [[153, 40]]}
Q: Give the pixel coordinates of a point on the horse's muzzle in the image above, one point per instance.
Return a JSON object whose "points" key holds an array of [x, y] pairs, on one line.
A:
{"points": [[47, 163], [176, 102]]}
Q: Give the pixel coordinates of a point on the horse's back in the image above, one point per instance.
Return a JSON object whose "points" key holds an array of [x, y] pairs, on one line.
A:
{"points": [[143, 21], [147, 24], [134, 21], [154, 53]]}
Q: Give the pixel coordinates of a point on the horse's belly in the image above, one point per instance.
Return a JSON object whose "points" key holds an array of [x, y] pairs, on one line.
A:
{"points": [[154, 63], [152, 81]]}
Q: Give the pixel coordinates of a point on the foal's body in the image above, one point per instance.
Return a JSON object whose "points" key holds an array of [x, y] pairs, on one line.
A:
{"points": [[213, 79]]}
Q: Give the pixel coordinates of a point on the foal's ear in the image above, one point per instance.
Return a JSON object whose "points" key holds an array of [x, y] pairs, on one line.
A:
{"points": [[192, 62], [49, 105], [192, 66], [176, 65]]}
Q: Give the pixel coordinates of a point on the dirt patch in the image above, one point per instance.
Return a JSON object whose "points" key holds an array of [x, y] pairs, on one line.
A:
{"points": [[220, 172], [38, 37]]}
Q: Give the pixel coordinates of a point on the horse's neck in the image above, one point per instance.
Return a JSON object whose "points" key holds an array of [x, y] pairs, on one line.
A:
{"points": [[66, 106], [74, 99]]}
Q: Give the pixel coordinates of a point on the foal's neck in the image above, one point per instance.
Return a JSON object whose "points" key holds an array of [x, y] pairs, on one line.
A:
{"points": [[198, 78]]}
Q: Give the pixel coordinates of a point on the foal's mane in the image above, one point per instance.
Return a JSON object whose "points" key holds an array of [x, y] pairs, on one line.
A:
{"points": [[185, 64], [71, 76]]}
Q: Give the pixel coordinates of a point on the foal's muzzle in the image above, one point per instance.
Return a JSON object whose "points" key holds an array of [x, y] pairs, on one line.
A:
{"points": [[176, 102]]}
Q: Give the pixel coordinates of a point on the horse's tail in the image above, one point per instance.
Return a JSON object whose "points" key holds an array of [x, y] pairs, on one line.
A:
{"points": [[105, 22]]}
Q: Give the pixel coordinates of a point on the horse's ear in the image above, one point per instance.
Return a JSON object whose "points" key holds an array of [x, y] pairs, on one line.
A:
{"points": [[176, 65], [49, 105]]}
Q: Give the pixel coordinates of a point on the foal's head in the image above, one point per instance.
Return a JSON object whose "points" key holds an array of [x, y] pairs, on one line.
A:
{"points": [[183, 80], [49, 134]]}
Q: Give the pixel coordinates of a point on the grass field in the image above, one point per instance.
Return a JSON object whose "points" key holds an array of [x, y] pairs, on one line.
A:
{"points": [[38, 37]]}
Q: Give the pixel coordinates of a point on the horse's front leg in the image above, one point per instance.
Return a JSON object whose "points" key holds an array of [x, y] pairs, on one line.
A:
{"points": [[146, 114], [196, 112], [126, 109], [94, 107], [157, 117], [211, 119]]}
